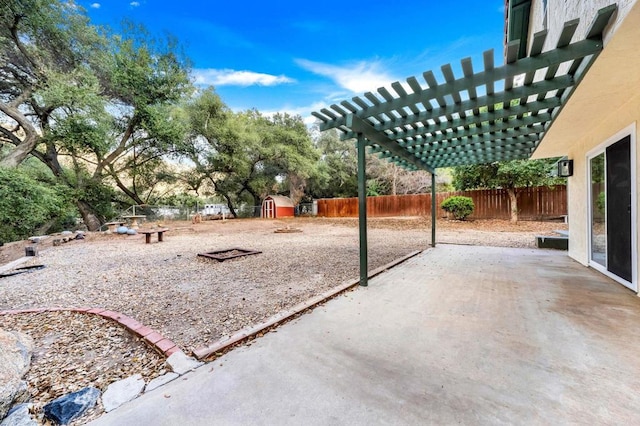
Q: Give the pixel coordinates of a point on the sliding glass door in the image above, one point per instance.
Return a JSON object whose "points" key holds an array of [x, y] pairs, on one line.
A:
{"points": [[610, 177]]}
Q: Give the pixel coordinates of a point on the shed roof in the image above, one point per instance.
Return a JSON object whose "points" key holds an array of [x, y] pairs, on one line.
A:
{"points": [[496, 114], [281, 200]]}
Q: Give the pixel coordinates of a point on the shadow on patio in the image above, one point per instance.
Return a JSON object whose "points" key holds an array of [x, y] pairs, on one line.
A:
{"points": [[458, 334]]}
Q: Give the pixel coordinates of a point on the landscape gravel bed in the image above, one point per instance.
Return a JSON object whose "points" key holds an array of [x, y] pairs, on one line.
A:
{"points": [[195, 301]]}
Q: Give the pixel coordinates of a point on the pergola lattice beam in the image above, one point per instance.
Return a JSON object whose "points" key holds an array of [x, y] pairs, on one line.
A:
{"points": [[507, 116], [362, 127], [554, 57], [426, 124], [419, 143]]}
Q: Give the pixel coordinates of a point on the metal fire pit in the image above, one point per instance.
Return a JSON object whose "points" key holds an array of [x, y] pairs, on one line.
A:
{"points": [[222, 255]]}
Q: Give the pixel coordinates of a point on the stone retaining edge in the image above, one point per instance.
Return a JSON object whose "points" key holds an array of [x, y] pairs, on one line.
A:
{"points": [[151, 337], [249, 332]]}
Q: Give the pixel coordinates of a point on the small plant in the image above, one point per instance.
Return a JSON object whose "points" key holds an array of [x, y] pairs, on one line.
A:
{"points": [[461, 207]]}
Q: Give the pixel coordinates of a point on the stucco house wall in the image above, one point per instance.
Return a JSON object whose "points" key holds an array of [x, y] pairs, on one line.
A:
{"points": [[557, 12], [604, 107]]}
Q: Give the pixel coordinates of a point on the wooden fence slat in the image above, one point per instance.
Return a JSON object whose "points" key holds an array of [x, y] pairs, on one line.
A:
{"points": [[533, 203]]}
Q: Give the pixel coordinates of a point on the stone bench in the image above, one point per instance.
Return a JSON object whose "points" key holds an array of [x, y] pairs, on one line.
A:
{"points": [[147, 234]]}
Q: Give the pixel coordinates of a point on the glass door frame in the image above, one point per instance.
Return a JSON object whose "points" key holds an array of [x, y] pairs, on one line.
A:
{"points": [[600, 149]]}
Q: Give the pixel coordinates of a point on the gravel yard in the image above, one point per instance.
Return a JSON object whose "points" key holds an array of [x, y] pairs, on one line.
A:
{"points": [[195, 301]]}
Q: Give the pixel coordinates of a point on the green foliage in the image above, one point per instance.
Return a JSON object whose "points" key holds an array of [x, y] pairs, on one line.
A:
{"points": [[601, 202], [27, 205], [510, 174], [461, 207], [107, 103], [337, 172], [247, 155], [186, 200], [374, 188]]}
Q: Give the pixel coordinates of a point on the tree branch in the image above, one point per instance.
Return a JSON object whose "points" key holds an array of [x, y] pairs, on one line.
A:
{"points": [[122, 146], [10, 136], [21, 47]]}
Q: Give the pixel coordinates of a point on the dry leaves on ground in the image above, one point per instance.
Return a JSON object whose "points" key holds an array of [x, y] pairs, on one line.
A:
{"points": [[196, 301]]}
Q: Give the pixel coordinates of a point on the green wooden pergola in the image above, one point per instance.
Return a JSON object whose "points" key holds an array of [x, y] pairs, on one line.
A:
{"points": [[496, 114]]}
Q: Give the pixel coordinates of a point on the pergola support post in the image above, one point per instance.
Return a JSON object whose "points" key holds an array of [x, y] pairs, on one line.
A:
{"points": [[362, 210], [433, 209]]}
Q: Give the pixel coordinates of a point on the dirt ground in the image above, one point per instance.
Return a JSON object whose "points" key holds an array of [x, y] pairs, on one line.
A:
{"points": [[192, 300]]}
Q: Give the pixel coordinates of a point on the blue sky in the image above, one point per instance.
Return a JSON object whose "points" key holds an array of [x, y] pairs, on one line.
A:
{"points": [[297, 56]]}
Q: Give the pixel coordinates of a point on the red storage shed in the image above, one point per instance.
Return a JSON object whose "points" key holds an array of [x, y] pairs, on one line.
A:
{"points": [[277, 206]]}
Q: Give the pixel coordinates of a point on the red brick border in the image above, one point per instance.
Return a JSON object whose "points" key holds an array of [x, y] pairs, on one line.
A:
{"points": [[149, 336]]}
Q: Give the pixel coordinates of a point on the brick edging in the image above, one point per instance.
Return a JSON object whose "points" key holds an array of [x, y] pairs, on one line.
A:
{"points": [[249, 332], [151, 337]]}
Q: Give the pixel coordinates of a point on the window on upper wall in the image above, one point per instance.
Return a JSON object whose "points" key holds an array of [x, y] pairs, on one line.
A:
{"points": [[544, 14]]}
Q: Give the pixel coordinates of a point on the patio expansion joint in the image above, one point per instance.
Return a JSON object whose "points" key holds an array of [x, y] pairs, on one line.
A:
{"points": [[156, 341], [249, 333]]}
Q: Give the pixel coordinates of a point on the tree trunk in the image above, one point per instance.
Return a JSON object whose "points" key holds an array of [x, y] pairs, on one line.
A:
{"points": [[256, 198], [17, 155], [88, 216], [230, 205], [296, 188], [513, 199]]}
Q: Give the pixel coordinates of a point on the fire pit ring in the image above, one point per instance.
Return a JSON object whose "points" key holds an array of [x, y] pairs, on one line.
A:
{"points": [[222, 255]]}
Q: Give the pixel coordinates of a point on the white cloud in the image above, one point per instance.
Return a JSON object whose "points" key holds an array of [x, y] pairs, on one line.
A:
{"points": [[358, 77], [134, 4], [95, 5], [228, 77]]}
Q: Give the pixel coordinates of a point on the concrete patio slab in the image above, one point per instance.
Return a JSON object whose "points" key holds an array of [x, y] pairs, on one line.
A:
{"points": [[458, 334]]}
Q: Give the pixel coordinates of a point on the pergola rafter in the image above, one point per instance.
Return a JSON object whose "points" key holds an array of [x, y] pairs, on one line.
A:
{"points": [[495, 114], [412, 114]]}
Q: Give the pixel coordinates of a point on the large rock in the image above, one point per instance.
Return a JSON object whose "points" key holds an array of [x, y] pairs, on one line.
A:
{"points": [[15, 358], [71, 406], [19, 415], [181, 363], [122, 391]]}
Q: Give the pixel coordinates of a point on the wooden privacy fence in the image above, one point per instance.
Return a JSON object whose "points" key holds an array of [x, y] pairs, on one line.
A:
{"points": [[533, 203]]}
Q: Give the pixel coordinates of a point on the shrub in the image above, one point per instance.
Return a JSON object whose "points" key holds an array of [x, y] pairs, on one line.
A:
{"points": [[461, 207], [26, 205]]}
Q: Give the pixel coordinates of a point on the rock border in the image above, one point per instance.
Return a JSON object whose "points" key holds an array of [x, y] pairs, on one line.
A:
{"points": [[151, 337]]}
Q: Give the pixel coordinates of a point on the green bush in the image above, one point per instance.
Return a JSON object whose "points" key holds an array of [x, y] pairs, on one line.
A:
{"points": [[461, 207], [26, 205]]}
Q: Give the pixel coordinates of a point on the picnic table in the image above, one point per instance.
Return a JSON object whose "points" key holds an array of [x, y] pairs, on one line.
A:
{"points": [[148, 232], [134, 219]]}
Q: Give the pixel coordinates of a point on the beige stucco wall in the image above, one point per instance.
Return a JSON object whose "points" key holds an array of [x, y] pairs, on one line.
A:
{"points": [[561, 11], [626, 115], [604, 103]]}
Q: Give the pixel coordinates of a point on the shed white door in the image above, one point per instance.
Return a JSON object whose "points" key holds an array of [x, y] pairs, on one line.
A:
{"points": [[269, 209]]}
